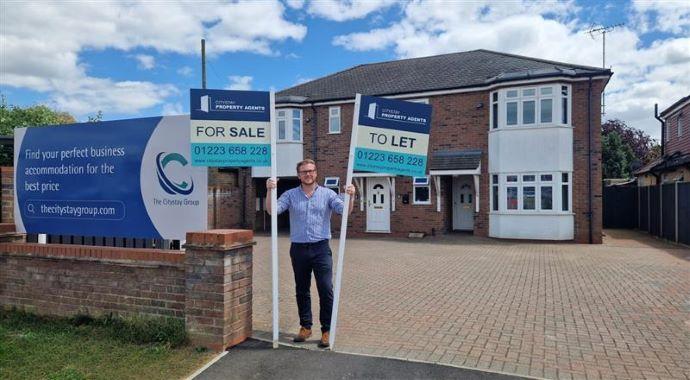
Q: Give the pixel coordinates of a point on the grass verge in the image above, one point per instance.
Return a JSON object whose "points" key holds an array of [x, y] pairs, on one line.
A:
{"points": [[33, 347]]}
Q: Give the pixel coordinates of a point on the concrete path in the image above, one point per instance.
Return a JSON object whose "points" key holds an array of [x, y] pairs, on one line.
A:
{"points": [[617, 310]]}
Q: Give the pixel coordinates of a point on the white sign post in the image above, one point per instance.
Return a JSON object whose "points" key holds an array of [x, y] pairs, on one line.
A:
{"points": [[274, 224], [343, 228], [392, 136]]}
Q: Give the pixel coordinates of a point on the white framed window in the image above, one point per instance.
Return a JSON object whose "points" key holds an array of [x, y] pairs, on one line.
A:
{"points": [[530, 106], [530, 193], [494, 110], [334, 120], [546, 192], [421, 191], [289, 123], [494, 192], [679, 125], [565, 191], [332, 183]]}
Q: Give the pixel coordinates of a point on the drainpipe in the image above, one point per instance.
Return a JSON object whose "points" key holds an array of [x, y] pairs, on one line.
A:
{"points": [[589, 157], [663, 126], [314, 127]]}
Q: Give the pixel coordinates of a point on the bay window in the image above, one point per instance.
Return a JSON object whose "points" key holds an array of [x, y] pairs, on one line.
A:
{"points": [[289, 122], [530, 106], [530, 193]]}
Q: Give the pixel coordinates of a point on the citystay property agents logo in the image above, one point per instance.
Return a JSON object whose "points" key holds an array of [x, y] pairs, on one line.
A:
{"points": [[169, 183]]}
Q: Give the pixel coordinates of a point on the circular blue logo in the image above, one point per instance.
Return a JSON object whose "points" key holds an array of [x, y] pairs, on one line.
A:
{"points": [[170, 187]]}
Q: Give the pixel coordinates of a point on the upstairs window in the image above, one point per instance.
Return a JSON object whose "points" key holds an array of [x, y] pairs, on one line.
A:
{"points": [[530, 106], [289, 122], [333, 119], [494, 110], [679, 125]]}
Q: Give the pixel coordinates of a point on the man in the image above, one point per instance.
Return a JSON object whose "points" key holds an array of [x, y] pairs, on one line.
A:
{"points": [[310, 207]]}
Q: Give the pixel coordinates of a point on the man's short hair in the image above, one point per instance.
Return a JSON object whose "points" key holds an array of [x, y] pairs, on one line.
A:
{"points": [[305, 162]]}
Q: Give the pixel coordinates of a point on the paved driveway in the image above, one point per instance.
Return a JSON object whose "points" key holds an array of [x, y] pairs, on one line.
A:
{"points": [[617, 310]]}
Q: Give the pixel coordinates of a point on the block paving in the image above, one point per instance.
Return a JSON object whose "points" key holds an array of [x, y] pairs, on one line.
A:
{"points": [[620, 310]]}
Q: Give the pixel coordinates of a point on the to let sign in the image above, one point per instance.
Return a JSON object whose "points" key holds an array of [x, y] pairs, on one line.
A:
{"points": [[230, 128], [392, 136]]}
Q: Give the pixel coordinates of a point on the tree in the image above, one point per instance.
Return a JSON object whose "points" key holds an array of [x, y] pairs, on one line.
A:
{"points": [[96, 118], [641, 144], [12, 117], [617, 156]]}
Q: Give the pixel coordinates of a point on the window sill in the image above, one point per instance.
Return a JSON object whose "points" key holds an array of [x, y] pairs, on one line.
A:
{"points": [[528, 127], [288, 142], [421, 203], [531, 213], [334, 133]]}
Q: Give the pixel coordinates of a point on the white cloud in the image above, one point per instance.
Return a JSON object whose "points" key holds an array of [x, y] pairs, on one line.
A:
{"points": [[42, 41], [172, 109], [185, 71], [146, 62], [642, 75], [301, 80], [671, 16], [239, 83], [295, 4], [89, 95], [343, 10]]}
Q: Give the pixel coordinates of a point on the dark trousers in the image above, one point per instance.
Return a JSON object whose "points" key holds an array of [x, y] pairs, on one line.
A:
{"points": [[317, 257]]}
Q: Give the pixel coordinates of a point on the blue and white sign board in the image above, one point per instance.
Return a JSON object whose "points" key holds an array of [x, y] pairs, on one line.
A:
{"points": [[125, 178], [230, 128], [392, 136]]}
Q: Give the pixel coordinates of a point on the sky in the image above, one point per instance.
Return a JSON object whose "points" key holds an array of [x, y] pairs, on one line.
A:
{"points": [[140, 58]]}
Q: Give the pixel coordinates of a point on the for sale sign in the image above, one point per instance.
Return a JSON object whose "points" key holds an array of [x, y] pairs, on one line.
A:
{"points": [[230, 128]]}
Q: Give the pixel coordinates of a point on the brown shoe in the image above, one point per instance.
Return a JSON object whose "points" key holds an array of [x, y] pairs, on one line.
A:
{"points": [[304, 334], [323, 343]]}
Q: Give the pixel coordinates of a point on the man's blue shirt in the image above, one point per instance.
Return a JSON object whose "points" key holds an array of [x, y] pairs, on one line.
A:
{"points": [[310, 218]]}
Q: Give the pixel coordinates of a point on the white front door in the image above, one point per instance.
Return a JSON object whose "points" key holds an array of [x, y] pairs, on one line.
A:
{"points": [[378, 205], [463, 203]]}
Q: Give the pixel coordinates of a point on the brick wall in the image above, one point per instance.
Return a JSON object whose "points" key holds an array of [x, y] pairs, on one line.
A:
{"points": [[676, 143], [66, 280], [7, 197], [209, 285], [580, 159], [224, 199]]}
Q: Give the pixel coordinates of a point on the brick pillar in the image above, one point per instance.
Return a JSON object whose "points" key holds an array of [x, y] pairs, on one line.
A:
{"points": [[8, 234], [218, 310], [7, 183]]}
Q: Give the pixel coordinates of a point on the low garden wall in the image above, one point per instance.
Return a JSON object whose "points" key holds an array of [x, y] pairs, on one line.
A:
{"points": [[209, 285]]}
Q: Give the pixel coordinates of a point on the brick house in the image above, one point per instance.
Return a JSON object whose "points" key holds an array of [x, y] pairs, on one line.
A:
{"points": [[674, 163], [514, 148]]}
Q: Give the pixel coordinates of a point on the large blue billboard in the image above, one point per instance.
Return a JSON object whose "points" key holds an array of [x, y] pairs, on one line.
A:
{"points": [[125, 178], [230, 128]]}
